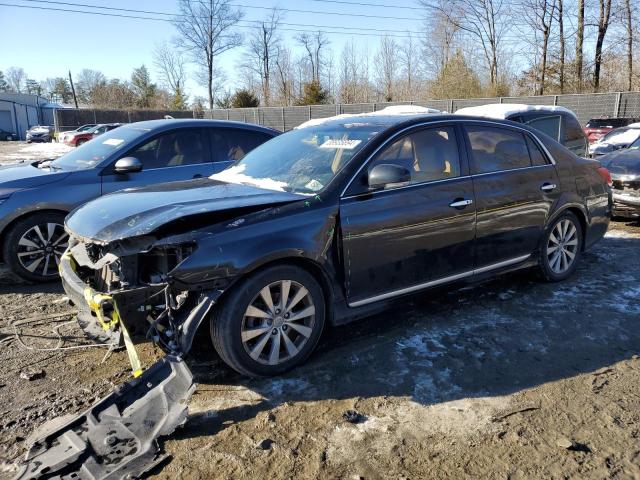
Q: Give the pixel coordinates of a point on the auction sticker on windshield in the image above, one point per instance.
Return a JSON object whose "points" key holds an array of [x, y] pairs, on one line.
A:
{"points": [[341, 144], [113, 141]]}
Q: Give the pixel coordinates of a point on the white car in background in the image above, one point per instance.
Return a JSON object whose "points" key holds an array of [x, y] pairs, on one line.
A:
{"points": [[559, 123], [616, 139]]}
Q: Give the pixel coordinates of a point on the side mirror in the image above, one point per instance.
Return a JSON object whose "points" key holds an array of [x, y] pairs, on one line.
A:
{"points": [[385, 174], [128, 165]]}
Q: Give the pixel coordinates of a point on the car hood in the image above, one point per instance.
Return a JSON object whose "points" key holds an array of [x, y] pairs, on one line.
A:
{"points": [[622, 162], [19, 176], [141, 211]]}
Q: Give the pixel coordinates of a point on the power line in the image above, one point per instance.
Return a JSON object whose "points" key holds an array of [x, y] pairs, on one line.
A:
{"points": [[363, 4], [349, 30]]}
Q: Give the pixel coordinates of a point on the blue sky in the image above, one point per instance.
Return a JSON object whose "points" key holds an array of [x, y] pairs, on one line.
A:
{"points": [[49, 43]]}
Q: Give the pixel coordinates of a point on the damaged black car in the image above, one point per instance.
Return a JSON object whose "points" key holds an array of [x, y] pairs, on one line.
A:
{"points": [[325, 224]]}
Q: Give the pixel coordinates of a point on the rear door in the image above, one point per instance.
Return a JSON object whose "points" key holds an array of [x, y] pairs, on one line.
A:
{"points": [[409, 235], [515, 187], [181, 154]]}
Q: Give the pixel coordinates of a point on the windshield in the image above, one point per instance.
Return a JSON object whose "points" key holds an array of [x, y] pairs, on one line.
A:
{"points": [[95, 151], [622, 136], [635, 145], [301, 161]]}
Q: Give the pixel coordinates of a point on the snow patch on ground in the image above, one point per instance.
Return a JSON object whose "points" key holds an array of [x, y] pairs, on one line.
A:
{"points": [[38, 151]]}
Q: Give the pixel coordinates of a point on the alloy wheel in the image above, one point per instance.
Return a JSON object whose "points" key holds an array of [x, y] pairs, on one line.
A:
{"points": [[40, 248], [562, 246], [278, 322]]}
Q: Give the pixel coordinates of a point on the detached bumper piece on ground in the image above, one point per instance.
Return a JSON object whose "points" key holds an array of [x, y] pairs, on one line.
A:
{"points": [[117, 437]]}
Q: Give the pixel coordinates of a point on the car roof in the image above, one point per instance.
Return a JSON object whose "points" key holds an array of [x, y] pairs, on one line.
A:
{"points": [[166, 124]]}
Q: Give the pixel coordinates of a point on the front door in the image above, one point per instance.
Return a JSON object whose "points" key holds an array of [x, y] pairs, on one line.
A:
{"points": [[171, 156], [515, 187], [409, 236]]}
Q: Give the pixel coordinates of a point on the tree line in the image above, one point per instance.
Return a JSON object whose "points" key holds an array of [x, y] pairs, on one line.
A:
{"points": [[465, 48]]}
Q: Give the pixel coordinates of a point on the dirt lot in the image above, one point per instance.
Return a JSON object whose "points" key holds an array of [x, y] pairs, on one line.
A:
{"points": [[510, 379]]}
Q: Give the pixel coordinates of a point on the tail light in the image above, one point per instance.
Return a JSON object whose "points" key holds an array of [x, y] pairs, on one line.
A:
{"points": [[606, 176]]}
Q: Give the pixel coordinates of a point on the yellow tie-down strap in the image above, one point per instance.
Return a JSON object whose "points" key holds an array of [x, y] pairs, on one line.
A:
{"points": [[96, 302]]}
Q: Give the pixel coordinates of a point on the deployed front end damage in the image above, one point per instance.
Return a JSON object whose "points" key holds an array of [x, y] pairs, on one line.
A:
{"points": [[116, 294], [117, 437]]}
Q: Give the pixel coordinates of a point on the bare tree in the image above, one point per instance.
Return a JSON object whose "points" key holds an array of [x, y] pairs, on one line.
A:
{"points": [[539, 15], [603, 25], [263, 49], [171, 65], [314, 45], [285, 76], [87, 81], [486, 20], [440, 43], [563, 47], [629, 33], [580, 45], [387, 67], [16, 79], [207, 29], [408, 59]]}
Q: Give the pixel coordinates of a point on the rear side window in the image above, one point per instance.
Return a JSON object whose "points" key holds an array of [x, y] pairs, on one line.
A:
{"points": [[537, 157], [230, 144], [495, 149], [572, 129], [549, 125]]}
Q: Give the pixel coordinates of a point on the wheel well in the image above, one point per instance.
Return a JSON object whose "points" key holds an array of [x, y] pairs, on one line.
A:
{"points": [[583, 222], [308, 265], [11, 224]]}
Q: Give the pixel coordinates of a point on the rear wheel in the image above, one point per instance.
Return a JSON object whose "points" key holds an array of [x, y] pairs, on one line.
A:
{"points": [[269, 323], [33, 246], [561, 248]]}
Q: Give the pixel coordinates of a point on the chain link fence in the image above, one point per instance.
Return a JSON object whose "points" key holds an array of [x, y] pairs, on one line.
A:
{"points": [[585, 106]]}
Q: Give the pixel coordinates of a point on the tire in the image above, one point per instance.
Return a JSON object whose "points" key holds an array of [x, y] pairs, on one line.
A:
{"points": [[80, 142], [23, 237], [230, 321], [9, 138], [562, 239]]}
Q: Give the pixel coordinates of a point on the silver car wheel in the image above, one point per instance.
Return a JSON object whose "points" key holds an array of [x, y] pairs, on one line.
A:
{"points": [[278, 322], [562, 246], [40, 248]]}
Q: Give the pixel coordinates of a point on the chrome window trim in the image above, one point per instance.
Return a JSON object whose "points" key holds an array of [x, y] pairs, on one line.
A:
{"points": [[389, 140], [402, 187], [439, 281]]}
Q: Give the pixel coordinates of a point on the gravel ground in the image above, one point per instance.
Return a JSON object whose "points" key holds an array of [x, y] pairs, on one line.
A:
{"points": [[513, 378]]}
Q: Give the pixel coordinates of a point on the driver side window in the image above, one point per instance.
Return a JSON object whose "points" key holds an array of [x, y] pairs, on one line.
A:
{"points": [[430, 154], [173, 149]]}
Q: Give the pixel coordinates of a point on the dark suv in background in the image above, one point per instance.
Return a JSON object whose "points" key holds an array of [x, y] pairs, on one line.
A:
{"points": [[35, 197], [559, 123]]}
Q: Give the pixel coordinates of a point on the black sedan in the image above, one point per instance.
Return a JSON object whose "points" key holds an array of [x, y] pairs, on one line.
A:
{"points": [[325, 224], [624, 166], [8, 136]]}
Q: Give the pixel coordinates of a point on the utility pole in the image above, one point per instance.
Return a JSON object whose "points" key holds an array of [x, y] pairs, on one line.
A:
{"points": [[73, 90]]}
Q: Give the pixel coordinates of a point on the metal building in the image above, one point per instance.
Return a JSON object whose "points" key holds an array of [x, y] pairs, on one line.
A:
{"points": [[20, 111]]}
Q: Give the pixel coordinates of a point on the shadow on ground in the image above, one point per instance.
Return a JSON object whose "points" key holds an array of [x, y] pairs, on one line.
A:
{"points": [[506, 335]]}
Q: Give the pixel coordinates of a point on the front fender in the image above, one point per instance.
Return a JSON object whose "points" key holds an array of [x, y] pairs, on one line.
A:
{"points": [[246, 244]]}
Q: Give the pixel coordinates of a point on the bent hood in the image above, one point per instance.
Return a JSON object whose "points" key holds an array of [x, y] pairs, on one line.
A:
{"points": [[141, 211], [18, 176]]}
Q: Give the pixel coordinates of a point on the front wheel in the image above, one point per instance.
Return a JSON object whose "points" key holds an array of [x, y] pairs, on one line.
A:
{"points": [[270, 322], [33, 246], [561, 248]]}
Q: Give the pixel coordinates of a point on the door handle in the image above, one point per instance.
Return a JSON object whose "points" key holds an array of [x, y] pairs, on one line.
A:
{"points": [[197, 175], [460, 203], [547, 187]]}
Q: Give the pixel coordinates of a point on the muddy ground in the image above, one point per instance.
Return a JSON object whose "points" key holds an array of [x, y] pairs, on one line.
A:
{"points": [[514, 378]]}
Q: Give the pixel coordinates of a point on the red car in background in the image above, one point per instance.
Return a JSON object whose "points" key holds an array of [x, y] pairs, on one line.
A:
{"points": [[596, 128], [78, 138]]}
